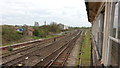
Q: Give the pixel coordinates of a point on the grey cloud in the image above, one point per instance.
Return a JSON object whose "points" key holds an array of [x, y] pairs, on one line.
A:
{"points": [[23, 12]]}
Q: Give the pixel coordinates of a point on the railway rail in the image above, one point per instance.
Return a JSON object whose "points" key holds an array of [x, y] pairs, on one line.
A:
{"points": [[22, 51], [29, 42], [40, 56], [62, 51], [61, 59]]}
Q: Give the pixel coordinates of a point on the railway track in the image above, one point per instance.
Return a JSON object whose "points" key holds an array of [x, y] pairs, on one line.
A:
{"points": [[22, 51], [38, 55], [60, 59], [27, 45]]}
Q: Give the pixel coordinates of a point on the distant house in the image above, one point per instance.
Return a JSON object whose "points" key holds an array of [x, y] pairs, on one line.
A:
{"points": [[63, 27], [30, 31]]}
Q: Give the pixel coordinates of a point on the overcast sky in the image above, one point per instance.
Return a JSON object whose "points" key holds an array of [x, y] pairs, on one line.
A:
{"points": [[19, 12]]}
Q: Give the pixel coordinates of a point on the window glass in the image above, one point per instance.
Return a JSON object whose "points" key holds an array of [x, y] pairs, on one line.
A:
{"points": [[119, 21], [115, 53], [115, 24]]}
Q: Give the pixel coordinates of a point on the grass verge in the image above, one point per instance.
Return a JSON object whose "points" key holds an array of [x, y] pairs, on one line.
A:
{"points": [[86, 50]]}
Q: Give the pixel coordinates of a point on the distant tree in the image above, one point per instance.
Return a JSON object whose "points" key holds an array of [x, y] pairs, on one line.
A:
{"points": [[53, 27], [9, 34], [36, 32], [44, 30]]}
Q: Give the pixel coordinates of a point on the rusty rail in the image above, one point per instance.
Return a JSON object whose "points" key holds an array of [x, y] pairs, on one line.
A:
{"points": [[20, 59], [67, 49]]}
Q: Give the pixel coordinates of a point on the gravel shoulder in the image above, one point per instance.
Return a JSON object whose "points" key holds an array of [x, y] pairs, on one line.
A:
{"points": [[73, 58]]}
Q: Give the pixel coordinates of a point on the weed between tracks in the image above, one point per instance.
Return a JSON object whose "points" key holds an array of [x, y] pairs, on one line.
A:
{"points": [[86, 50]]}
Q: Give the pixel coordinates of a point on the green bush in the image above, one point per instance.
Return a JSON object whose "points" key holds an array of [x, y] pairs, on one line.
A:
{"points": [[36, 32], [9, 34], [45, 30]]}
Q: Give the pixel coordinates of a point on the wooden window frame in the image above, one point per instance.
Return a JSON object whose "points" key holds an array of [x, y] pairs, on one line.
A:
{"points": [[115, 39], [110, 38]]}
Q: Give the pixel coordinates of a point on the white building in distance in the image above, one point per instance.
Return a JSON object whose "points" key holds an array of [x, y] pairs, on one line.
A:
{"points": [[62, 27], [36, 24]]}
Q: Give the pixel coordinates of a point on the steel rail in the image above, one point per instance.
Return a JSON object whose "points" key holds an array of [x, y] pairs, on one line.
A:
{"points": [[24, 55], [28, 46], [51, 54], [68, 53]]}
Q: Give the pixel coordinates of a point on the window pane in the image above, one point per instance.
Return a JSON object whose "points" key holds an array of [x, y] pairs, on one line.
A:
{"points": [[119, 22], [115, 24], [115, 54]]}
